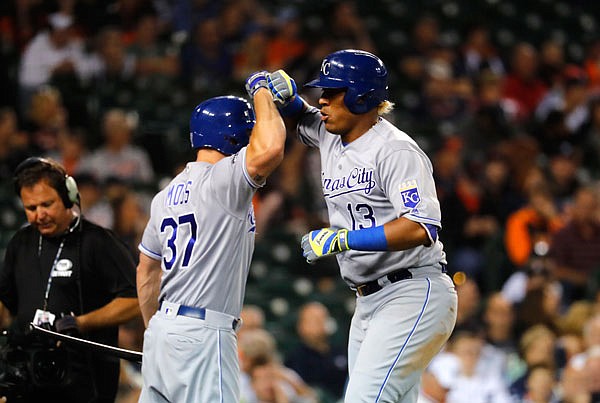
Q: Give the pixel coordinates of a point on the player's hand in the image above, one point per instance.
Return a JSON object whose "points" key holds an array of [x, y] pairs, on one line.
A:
{"points": [[255, 82], [324, 242], [67, 324], [282, 86]]}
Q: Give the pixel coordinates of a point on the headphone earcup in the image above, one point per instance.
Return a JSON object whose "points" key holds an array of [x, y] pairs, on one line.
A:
{"points": [[72, 190]]}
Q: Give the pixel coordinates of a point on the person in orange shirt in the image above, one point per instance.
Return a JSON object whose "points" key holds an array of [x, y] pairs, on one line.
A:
{"points": [[528, 230]]}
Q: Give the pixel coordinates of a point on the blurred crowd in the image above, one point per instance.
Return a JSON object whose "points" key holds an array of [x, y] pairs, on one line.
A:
{"points": [[510, 120]]}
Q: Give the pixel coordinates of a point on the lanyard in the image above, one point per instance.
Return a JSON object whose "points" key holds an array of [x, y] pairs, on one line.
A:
{"points": [[49, 284]]}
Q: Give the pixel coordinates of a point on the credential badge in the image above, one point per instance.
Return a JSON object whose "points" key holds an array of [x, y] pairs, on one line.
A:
{"points": [[410, 194]]}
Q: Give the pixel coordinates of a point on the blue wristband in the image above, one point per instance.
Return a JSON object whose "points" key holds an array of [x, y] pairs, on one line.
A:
{"points": [[293, 108], [368, 239]]}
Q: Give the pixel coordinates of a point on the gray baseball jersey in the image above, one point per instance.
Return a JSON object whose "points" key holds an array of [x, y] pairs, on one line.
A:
{"points": [[375, 179], [202, 229], [394, 333]]}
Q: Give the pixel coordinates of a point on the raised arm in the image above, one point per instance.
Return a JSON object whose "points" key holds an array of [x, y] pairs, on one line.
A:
{"points": [[267, 141]]}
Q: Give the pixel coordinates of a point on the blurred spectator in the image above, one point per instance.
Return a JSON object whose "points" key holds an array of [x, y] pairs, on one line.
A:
{"points": [[251, 55], [469, 302], [575, 249], [111, 85], [592, 64], [125, 14], [438, 378], [14, 143], [522, 84], [537, 347], [424, 38], [529, 229], [569, 97], [535, 274], [188, 13], [94, 204], [540, 304], [131, 337], [257, 349], [499, 321], [581, 378], [541, 386], [444, 99], [476, 382], [253, 317], [347, 27], [287, 45], [71, 150], [492, 121], [129, 220], [118, 157], [48, 119], [552, 62], [154, 58], [206, 61], [478, 54], [321, 364], [52, 52], [564, 178]]}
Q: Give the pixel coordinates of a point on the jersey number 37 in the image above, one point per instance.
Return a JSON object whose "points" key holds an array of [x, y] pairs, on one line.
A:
{"points": [[174, 224]]}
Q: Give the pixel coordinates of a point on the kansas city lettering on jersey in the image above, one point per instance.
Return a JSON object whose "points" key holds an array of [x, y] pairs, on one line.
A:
{"points": [[359, 179], [179, 193]]}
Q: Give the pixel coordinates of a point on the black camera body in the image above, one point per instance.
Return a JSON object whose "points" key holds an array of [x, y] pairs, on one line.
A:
{"points": [[31, 364]]}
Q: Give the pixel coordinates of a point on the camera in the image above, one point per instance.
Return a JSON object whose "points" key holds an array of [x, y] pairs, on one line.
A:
{"points": [[27, 363]]}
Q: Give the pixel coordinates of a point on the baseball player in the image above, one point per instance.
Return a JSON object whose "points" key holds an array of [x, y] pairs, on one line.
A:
{"points": [[384, 222], [197, 246]]}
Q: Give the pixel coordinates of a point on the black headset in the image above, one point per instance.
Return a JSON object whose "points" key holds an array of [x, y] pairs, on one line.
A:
{"points": [[67, 187]]}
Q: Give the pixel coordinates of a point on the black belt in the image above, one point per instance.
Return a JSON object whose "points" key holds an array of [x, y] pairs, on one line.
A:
{"points": [[374, 286]]}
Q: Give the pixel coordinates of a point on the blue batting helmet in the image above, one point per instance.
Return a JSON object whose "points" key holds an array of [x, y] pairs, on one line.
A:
{"points": [[222, 123], [361, 73]]}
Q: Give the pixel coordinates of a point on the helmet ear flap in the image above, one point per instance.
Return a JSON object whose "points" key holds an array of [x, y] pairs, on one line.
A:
{"points": [[359, 103]]}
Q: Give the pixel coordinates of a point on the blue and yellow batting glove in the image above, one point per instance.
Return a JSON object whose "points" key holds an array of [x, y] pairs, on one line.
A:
{"points": [[324, 242], [282, 86]]}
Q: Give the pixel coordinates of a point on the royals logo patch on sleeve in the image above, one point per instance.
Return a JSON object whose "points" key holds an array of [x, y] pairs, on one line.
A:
{"points": [[410, 194]]}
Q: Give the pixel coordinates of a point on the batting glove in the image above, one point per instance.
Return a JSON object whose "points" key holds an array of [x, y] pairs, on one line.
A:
{"points": [[282, 86], [256, 81], [324, 242]]}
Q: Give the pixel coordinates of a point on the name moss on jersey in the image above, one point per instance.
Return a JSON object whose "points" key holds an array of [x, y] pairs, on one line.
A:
{"points": [[179, 193]]}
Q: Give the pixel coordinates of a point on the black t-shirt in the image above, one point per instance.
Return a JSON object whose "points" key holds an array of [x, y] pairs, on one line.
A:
{"points": [[93, 268]]}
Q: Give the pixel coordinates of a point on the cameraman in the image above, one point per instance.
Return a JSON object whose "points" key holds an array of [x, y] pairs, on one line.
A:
{"points": [[67, 274]]}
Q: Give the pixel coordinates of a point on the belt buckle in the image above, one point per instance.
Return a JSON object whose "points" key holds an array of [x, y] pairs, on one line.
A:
{"points": [[360, 288]]}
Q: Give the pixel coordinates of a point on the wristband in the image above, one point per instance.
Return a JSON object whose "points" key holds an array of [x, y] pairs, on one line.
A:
{"points": [[293, 108], [368, 239]]}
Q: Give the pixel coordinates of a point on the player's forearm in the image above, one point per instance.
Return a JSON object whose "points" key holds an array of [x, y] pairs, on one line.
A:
{"points": [[116, 312], [148, 286], [265, 150], [403, 234]]}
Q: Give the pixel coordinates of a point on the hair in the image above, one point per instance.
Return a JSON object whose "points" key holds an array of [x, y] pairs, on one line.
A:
{"points": [[258, 346], [385, 107], [34, 170]]}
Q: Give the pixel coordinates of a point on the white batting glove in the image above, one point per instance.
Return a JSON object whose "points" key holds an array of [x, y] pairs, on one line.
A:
{"points": [[282, 86], [324, 242], [256, 81]]}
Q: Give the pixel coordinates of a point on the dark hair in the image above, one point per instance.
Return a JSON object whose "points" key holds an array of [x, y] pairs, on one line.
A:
{"points": [[36, 169]]}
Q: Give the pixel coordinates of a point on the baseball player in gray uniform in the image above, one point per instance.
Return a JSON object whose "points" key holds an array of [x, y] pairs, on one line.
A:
{"points": [[197, 246], [384, 220]]}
